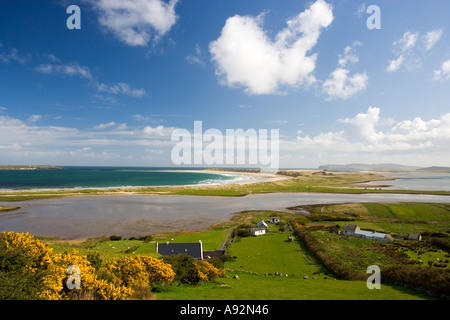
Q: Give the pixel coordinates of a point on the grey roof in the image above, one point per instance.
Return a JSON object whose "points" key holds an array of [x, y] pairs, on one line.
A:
{"points": [[193, 249], [371, 234], [351, 227]]}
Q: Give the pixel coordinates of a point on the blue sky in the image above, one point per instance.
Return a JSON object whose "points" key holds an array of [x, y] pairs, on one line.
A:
{"points": [[112, 92]]}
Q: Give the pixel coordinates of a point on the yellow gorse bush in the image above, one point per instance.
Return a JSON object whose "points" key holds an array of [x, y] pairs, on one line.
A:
{"points": [[207, 271], [55, 267], [132, 271]]}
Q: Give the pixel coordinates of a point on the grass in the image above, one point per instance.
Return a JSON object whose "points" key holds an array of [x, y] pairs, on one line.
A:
{"points": [[257, 287], [8, 208], [411, 211], [271, 253]]}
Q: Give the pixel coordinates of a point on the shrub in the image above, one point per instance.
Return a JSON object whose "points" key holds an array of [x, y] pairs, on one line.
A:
{"points": [[136, 271], [115, 238], [189, 271], [433, 281], [26, 258], [16, 280]]}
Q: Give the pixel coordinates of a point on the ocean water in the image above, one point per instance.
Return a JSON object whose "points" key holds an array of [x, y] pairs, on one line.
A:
{"points": [[428, 181], [109, 177]]}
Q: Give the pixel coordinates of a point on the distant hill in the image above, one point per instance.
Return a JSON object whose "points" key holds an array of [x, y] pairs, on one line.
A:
{"points": [[368, 167], [435, 168]]}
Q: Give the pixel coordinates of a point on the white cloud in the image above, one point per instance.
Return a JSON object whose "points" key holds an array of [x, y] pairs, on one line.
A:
{"points": [[122, 88], [64, 145], [404, 139], [394, 65], [443, 73], [349, 56], [343, 86], [365, 123], [196, 58], [74, 69], [340, 85], [410, 51], [13, 55], [246, 56], [136, 22], [361, 10], [159, 131], [431, 38], [103, 126], [34, 118], [408, 41]]}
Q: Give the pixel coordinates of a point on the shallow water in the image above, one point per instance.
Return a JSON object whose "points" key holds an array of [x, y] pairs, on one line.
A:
{"points": [[430, 181], [138, 215]]}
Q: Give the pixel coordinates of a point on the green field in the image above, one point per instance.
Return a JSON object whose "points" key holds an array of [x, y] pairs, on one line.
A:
{"points": [[257, 287], [259, 258]]}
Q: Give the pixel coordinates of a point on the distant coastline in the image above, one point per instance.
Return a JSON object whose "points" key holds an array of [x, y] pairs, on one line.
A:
{"points": [[29, 167]]}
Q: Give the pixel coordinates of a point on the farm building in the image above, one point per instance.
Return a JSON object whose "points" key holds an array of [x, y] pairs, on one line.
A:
{"points": [[195, 250], [353, 230], [257, 231], [262, 224], [274, 220], [414, 236]]}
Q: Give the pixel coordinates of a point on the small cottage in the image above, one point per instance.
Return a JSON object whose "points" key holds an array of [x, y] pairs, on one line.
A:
{"points": [[414, 236], [274, 220], [262, 224], [353, 230], [257, 231]]}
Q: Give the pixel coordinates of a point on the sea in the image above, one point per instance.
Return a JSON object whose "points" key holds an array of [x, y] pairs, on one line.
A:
{"points": [[72, 177], [425, 181]]}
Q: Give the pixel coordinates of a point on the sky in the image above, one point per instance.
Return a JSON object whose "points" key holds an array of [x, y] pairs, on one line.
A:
{"points": [[342, 81]]}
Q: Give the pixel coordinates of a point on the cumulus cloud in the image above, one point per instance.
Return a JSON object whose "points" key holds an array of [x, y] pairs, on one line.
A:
{"points": [[443, 73], [105, 141], [365, 136], [136, 22], [246, 56], [411, 48], [341, 85]]}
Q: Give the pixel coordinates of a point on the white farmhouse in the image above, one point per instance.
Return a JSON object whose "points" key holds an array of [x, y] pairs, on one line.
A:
{"points": [[257, 231], [274, 220], [353, 230]]}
